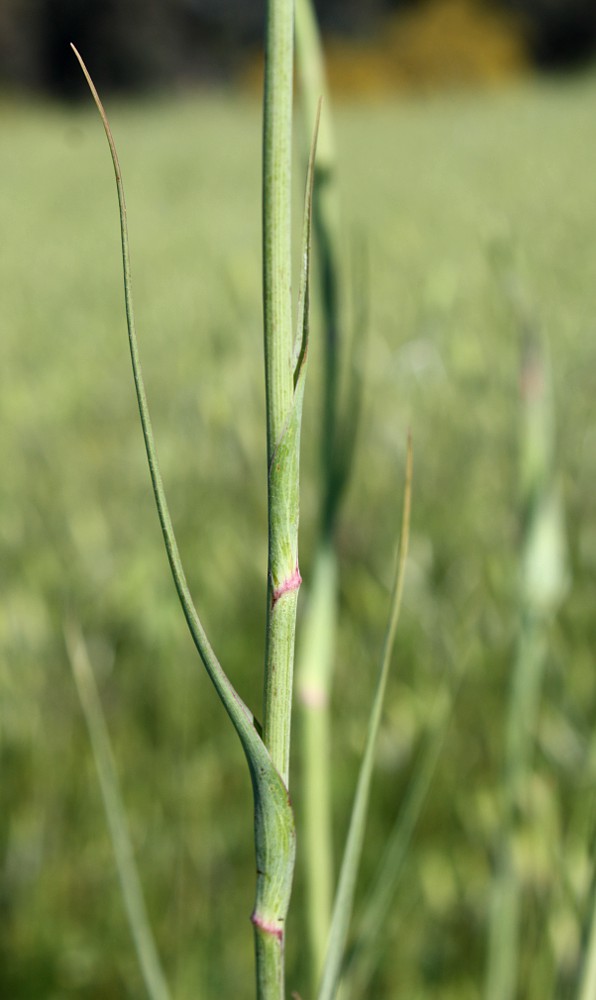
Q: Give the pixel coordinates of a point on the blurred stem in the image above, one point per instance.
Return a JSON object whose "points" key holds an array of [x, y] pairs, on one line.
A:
{"points": [[505, 915], [587, 987], [317, 649], [109, 784], [541, 588], [326, 221], [344, 897], [317, 646]]}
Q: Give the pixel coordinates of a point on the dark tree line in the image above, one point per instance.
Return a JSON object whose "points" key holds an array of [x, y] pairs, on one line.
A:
{"points": [[142, 43], [561, 32]]}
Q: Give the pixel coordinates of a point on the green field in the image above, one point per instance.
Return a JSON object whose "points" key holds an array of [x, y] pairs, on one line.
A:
{"points": [[440, 188]]}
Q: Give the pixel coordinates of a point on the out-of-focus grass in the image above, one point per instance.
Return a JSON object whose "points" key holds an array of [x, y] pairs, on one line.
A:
{"points": [[435, 183]]}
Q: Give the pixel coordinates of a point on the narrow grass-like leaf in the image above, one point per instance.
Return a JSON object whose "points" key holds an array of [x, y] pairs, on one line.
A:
{"points": [[344, 900], [109, 784], [369, 939], [239, 713]]}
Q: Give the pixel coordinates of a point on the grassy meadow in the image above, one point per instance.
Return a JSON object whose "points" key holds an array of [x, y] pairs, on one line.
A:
{"points": [[442, 189]]}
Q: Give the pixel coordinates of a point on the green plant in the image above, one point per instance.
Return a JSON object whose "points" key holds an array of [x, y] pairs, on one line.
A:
{"points": [[285, 363], [266, 748]]}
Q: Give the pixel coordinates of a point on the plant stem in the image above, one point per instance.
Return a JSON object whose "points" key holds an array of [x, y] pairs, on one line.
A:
{"points": [[326, 218], [277, 264], [317, 646], [284, 388], [283, 573], [541, 589], [317, 650], [587, 986]]}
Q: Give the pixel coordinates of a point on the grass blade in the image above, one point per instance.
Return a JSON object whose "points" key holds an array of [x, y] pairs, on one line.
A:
{"points": [[111, 794], [344, 900]]}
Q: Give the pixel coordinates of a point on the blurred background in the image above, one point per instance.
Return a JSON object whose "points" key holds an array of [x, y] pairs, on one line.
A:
{"points": [[466, 137], [375, 44]]}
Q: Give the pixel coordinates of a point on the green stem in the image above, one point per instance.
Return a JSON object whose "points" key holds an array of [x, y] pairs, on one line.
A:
{"points": [[277, 261], [269, 953], [506, 903], [317, 648], [283, 574], [284, 388], [542, 586], [587, 987], [311, 61]]}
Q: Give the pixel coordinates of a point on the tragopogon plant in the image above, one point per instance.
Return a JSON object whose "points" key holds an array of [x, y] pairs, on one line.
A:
{"points": [[266, 747], [267, 754]]}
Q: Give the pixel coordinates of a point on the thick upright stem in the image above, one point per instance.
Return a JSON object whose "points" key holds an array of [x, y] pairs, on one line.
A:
{"points": [[269, 948], [277, 263], [283, 442], [284, 578]]}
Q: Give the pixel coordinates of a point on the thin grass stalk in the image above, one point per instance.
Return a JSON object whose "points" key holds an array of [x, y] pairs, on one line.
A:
{"points": [[344, 898], [128, 875]]}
